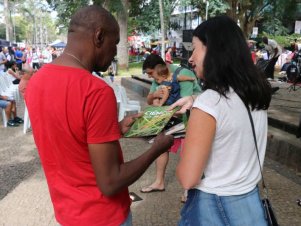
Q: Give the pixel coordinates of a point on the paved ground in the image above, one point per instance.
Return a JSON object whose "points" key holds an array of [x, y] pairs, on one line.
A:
{"points": [[24, 198]]}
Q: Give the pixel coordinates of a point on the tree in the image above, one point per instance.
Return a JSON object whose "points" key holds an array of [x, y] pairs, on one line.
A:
{"points": [[249, 12], [8, 21], [118, 7], [162, 29], [122, 17]]}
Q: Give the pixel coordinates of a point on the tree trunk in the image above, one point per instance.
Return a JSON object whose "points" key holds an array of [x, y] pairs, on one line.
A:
{"points": [[162, 30], [8, 22], [122, 48]]}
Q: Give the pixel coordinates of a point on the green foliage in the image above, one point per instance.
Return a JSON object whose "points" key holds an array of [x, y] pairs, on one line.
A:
{"points": [[2, 31], [274, 27], [278, 15], [216, 7], [284, 40], [22, 29], [65, 9], [146, 14]]}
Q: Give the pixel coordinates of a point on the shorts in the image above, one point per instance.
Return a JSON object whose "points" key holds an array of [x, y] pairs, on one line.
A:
{"points": [[4, 103], [177, 145], [204, 209]]}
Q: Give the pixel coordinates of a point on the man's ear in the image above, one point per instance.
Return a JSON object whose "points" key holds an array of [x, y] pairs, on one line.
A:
{"points": [[99, 37]]}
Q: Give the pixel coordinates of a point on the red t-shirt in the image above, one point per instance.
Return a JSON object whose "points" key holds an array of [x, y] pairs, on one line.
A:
{"points": [[70, 108]]}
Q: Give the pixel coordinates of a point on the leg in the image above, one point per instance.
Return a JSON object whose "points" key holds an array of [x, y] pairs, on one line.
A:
{"points": [[8, 111], [161, 163], [271, 68], [14, 109]]}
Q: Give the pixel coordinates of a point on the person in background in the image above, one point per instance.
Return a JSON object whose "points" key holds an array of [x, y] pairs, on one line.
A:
{"points": [[13, 72], [78, 137], [19, 57], [111, 73], [187, 89], [27, 72], [274, 51], [168, 85], [219, 163], [53, 53], [35, 59], [168, 56], [47, 57], [9, 105], [3, 60], [8, 56]]}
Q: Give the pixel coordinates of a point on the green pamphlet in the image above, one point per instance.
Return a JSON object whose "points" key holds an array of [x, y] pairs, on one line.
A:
{"points": [[151, 123]]}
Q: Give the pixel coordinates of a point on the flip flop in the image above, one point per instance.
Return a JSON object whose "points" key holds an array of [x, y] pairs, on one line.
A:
{"points": [[150, 190]]}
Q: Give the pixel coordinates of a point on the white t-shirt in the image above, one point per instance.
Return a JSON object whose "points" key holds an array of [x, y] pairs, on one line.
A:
{"points": [[35, 57], [271, 46], [2, 58], [232, 167]]}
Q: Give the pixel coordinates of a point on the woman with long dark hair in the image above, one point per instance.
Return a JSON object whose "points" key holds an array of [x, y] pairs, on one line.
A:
{"points": [[219, 164]]}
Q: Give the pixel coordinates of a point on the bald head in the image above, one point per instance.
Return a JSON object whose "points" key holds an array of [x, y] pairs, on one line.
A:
{"points": [[90, 18], [93, 36]]}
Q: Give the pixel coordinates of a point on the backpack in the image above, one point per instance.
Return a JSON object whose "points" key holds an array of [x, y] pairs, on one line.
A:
{"points": [[174, 94]]}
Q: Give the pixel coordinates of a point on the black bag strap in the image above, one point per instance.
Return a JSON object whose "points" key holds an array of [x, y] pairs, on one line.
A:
{"points": [[255, 140]]}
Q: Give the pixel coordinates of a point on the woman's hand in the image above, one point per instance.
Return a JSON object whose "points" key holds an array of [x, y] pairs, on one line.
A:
{"points": [[185, 103]]}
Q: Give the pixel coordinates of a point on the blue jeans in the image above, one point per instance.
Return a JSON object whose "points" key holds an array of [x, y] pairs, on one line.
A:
{"points": [[204, 209], [128, 221]]}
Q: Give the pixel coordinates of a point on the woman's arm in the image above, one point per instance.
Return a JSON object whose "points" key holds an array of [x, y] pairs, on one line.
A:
{"points": [[200, 134], [14, 74]]}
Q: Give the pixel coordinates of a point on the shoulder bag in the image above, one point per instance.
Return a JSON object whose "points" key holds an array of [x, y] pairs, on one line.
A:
{"points": [[269, 212]]}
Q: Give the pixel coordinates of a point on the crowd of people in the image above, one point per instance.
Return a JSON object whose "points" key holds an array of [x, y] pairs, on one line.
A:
{"points": [[17, 65]]}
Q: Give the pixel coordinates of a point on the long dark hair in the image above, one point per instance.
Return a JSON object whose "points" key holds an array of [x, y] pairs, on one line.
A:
{"points": [[228, 63]]}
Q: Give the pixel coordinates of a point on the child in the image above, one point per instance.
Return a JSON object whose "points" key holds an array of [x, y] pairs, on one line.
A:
{"points": [[111, 73], [169, 85]]}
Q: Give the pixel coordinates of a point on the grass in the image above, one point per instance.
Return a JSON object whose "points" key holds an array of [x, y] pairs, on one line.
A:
{"points": [[135, 68]]}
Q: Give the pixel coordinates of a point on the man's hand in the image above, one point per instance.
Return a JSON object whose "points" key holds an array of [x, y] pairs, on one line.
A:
{"points": [[127, 122], [185, 103], [162, 143]]}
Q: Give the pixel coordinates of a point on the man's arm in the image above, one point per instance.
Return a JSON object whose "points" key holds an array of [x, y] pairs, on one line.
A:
{"points": [[111, 176], [4, 60]]}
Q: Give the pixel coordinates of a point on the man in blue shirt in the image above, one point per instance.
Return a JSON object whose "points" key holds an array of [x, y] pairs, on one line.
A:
{"points": [[18, 57]]}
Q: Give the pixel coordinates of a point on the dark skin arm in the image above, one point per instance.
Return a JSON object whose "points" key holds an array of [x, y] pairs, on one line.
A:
{"points": [[111, 176]]}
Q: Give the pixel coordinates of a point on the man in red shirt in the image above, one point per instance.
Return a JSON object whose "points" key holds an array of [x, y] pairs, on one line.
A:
{"points": [[75, 127]]}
